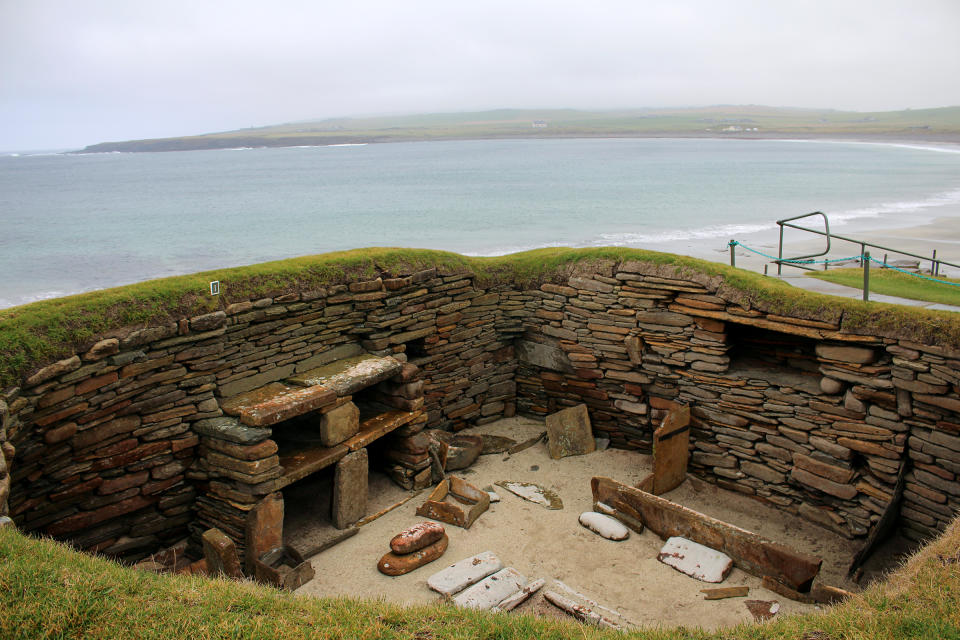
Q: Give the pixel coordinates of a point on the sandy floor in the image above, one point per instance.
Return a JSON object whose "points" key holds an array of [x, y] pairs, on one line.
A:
{"points": [[624, 576]]}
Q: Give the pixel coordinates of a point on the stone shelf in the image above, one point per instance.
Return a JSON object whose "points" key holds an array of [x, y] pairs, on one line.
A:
{"points": [[378, 426], [349, 375], [301, 459], [277, 402]]}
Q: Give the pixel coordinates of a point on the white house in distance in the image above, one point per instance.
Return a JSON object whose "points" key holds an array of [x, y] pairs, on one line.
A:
{"points": [[539, 124]]}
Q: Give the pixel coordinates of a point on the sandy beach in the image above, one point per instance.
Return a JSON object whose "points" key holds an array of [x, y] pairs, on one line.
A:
{"points": [[551, 544], [906, 234]]}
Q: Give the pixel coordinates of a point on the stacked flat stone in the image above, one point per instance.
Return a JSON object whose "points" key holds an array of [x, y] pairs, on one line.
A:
{"points": [[827, 441], [107, 439], [239, 465], [414, 547]]}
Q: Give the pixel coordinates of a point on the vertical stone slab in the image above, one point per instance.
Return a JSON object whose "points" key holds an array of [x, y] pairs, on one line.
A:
{"points": [[569, 432], [221, 554], [671, 450], [264, 531], [339, 424], [350, 489]]}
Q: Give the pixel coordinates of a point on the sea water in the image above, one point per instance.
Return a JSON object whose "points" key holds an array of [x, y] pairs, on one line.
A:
{"points": [[72, 222]]}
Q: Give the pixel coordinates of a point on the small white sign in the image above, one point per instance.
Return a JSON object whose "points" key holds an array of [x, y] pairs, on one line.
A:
{"points": [[215, 288]]}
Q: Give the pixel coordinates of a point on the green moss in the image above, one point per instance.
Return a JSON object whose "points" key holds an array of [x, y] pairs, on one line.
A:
{"points": [[39, 333]]}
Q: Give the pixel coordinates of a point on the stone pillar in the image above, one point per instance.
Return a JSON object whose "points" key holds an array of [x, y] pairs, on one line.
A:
{"points": [[339, 424], [264, 529], [221, 554], [350, 489]]}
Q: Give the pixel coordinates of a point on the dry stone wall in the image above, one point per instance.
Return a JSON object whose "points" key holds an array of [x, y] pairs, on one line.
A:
{"points": [[107, 440], [791, 410], [117, 448]]}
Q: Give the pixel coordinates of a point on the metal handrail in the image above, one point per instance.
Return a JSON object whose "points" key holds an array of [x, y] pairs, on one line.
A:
{"points": [[934, 266], [786, 222]]}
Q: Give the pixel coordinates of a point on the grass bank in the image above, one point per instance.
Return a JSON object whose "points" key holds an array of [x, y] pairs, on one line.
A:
{"points": [[50, 591], [895, 283], [42, 332]]}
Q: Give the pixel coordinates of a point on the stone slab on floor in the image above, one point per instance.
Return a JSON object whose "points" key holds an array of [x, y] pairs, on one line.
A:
{"points": [[461, 575], [695, 560], [488, 593]]}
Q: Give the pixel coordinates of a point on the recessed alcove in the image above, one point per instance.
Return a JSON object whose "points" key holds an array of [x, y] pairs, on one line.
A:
{"points": [[779, 358]]}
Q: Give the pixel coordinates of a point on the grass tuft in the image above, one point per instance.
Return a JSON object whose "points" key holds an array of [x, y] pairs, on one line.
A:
{"points": [[47, 590], [36, 334], [895, 283]]}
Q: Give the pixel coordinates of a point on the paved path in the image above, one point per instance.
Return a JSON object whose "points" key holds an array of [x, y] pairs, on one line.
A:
{"points": [[822, 286]]}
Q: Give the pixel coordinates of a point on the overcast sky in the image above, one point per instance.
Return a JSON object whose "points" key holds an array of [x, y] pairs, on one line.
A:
{"points": [[77, 72]]}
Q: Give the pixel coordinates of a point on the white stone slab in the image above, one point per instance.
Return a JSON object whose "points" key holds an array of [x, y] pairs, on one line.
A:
{"points": [[488, 593], [461, 575], [604, 525], [513, 601], [695, 560]]}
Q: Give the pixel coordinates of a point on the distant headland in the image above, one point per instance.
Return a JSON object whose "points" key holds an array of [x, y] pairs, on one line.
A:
{"points": [[751, 121]]}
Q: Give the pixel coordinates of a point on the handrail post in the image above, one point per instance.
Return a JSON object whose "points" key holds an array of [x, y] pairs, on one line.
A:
{"points": [[933, 265], [780, 251], [733, 255], [866, 276]]}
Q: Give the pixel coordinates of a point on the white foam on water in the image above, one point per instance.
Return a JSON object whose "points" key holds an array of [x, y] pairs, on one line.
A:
{"points": [[6, 303], [899, 145], [836, 218]]}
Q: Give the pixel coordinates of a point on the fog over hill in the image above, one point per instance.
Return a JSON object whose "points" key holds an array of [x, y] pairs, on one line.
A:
{"points": [[74, 73]]}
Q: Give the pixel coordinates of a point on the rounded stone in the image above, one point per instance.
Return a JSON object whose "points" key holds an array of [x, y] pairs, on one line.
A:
{"points": [[604, 525], [416, 537], [392, 564], [830, 386]]}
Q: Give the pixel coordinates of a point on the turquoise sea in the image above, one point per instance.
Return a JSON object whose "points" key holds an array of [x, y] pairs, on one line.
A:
{"points": [[72, 223]]}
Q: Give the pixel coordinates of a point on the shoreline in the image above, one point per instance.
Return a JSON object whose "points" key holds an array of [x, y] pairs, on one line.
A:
{"points": [[917, 227], [165, 145], [941, 234]]}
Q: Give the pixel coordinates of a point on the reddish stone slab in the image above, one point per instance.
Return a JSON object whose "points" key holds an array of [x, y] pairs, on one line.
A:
{"points": [[87, 519], [392, 564], [349, 375], [277, 402], [220, 553], [416, 537]]}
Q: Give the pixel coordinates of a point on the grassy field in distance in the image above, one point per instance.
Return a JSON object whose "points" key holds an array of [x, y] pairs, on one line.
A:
{"points": [[894, 283], [941, 124]]}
